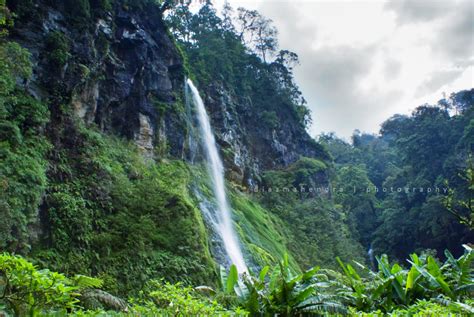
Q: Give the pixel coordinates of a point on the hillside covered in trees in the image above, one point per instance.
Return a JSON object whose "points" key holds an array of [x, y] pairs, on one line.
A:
{"points": [[115, 185]]}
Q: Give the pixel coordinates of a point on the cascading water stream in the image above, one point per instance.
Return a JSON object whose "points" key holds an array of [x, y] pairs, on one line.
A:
{"points": [[223, 217]]}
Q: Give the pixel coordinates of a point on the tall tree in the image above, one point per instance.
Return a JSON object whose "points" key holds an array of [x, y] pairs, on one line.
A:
{"points": [[257, 32], [179, 19]]}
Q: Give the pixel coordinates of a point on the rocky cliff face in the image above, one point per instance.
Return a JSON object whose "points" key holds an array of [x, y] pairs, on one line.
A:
{"points": [[121, 71], [251, 146]]}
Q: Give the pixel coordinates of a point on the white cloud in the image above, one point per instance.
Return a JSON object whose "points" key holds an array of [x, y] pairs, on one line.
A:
{"points": [[363, 61]]}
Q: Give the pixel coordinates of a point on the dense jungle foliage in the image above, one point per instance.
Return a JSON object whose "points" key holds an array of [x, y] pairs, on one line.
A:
{"points": [[90, 227], [414, 180], [425, 287]]}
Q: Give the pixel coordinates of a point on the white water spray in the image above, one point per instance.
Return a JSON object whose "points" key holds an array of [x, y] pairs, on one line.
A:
{"points": [[223, 221]]}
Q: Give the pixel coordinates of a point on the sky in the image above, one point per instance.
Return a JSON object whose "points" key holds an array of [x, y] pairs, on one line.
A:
{"points": [[364, 61]]}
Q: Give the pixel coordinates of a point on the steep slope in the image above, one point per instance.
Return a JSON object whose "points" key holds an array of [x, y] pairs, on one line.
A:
{"points": [[96, 168], [260, 119], [116, 66]]}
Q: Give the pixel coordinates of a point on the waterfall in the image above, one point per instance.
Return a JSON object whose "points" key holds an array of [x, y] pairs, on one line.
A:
{"points": [[370, 254], [222, 219]]}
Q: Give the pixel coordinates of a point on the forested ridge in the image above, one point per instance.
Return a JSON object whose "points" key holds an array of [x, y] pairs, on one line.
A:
{"points": [[103, 179], [415, 178]]}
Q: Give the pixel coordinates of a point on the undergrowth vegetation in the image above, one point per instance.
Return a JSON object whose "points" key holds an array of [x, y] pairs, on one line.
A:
{"points": [[23, 148], [264, 235], [425, 287], [297, 195], [112, 213]]}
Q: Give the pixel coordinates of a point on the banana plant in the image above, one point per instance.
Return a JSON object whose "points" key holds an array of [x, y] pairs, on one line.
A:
{"points": [[351, 287], [394, 285], [279, 291], [229, 281], [433, 277], [460, 272]]}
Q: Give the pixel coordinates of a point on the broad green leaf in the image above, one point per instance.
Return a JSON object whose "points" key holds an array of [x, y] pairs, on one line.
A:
{"points": [[343, 266], [232, 279], [223, 276], [436, 281], [411, 277], [83, 281], [303, 294], [263, 273]]}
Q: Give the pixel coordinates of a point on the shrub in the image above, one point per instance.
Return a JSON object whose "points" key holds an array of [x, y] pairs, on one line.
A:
{"points": [[270, 119], [79, 11], [101, 6], [163, 298], [14, 63], [6, 20], [29, 291], [22, 149], [58, 47]]}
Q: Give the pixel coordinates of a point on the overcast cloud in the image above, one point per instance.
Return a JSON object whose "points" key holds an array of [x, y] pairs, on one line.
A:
{"points": [[363, 61]]}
